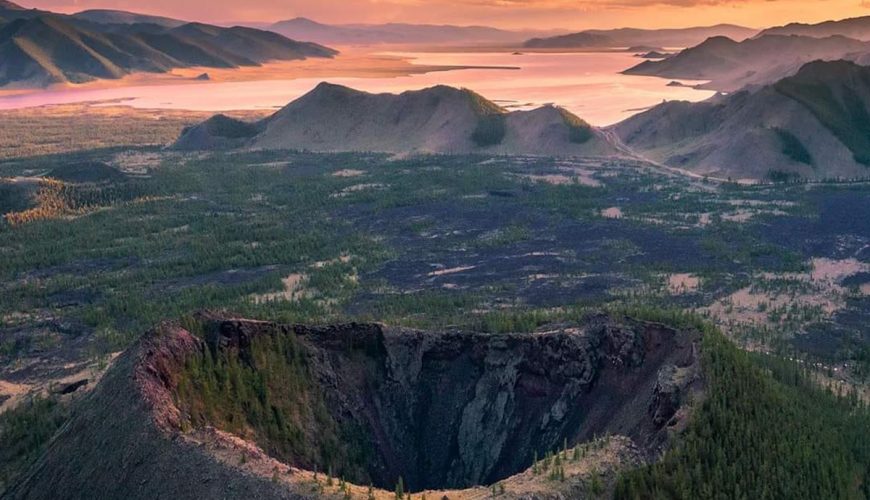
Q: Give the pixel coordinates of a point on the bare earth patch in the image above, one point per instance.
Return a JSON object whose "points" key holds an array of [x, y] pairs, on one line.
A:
{"points": [[583, 179], [356, 188], [682, 283], [137, 162], [293, 290], [773, 298], [452, 270], [71, 385], [341, 259], [836, 270], [746, 214], [612, 213], [582, 470], [348, 172], [11, 394], [582, 176]]}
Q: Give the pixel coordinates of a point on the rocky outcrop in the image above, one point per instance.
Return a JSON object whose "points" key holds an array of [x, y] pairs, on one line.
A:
{"points": [[455, 409], [123, 441], [440, 409]]}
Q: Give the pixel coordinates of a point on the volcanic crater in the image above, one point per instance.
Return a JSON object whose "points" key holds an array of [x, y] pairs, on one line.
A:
{"points": [[365, 402]]}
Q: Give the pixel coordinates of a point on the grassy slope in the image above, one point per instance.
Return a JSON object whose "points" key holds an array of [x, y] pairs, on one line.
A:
{"points": [[793, 147], [845, 116], [491, 127], [579, 132], [265, 394], [24, 432]]}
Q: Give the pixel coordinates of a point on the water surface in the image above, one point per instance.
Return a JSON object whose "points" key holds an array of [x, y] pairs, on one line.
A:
{"points": [[589, 84]]}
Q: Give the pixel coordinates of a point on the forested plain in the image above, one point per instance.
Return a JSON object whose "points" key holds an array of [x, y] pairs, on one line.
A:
{"points": [[481, 244]]}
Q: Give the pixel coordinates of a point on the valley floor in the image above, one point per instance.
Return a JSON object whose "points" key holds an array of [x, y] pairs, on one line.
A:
{"points": [[492, 244]]}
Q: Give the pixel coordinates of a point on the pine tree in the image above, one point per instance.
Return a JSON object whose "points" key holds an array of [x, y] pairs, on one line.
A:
{"points": [[400, 489]]}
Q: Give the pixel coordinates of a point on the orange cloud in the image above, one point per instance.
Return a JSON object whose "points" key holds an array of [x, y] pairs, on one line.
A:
{"points": [[539, 14]]}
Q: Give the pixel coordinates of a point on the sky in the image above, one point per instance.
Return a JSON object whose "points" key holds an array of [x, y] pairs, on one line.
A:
{"points": [[516, 14]]}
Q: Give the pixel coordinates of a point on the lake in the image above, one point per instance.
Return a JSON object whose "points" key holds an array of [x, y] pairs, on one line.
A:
{"points": [[588, 84]]}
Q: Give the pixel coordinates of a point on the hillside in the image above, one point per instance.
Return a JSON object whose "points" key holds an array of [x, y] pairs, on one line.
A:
{"points": [[185, 403], [856, 27], [435, 120], [394, 33], [632, 37], [222, 408], [104, 16], [731, 65], [815, 124], [574, 40], [49, 49]]}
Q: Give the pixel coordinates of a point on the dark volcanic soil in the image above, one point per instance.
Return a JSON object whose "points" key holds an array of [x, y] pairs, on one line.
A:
{"points": [[440, 409]]}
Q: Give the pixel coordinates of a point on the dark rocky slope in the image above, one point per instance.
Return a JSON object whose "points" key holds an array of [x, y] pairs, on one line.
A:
{"points": [[120, 444], [439, 409], [855, 27], [440, 119]]}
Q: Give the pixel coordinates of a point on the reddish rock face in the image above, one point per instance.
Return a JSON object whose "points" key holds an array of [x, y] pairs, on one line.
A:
{"points": [[451, 409]]}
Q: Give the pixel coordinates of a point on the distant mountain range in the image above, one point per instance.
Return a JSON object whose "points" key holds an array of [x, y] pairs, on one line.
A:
{"points": [[857, 28], [435, 120], [39, 48], [815, 124], [396, 33], [731, 65], [123, 17], [630, 37]]}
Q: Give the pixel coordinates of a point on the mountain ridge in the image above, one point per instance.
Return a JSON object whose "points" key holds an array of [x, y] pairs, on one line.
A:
{"points": [[632, 37], [438, 119], [855, 27], [393, 33], [109, 16], [813, 125], [47, 49], [730, 65]]}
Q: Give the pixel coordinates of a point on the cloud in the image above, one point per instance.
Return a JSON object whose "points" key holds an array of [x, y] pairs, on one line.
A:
{"points": [[507, 13]]}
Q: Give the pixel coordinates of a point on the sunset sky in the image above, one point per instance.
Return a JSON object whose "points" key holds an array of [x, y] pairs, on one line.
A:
{"points": [[537, 14]]}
